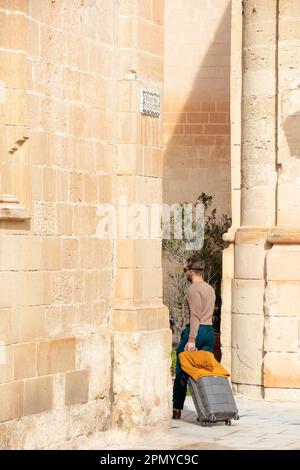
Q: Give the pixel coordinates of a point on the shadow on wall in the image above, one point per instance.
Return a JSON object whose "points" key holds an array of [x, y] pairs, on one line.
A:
{"points": [[291, 127], [197, 148], [197, 130]]}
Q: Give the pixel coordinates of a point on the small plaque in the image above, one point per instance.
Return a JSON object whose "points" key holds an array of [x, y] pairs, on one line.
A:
{"points": [[150, 103]]}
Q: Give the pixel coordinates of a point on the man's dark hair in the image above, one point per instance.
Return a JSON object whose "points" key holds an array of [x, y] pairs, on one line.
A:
{"points": [[196, 264]]}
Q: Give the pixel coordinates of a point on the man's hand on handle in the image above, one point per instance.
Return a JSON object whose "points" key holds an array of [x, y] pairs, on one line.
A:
{"points": [[190, 346]]}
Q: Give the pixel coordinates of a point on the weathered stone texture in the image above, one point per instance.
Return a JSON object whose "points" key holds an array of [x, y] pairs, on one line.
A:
{"points": [[72, 137], [265, 300], [57, 123]]}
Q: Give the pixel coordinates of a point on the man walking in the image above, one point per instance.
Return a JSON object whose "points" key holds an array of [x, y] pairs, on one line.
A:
{"points": [[197, 331]]}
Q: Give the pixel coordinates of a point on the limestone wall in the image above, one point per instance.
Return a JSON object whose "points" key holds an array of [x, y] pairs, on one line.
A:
{"points": [[85, 339], [142, 338], [196, 101]]}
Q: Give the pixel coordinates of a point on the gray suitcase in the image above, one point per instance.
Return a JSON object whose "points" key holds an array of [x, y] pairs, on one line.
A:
{"points": [[213, 399]]}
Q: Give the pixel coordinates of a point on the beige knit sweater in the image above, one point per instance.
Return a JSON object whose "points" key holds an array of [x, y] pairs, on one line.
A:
{"points": [[198, 308]]}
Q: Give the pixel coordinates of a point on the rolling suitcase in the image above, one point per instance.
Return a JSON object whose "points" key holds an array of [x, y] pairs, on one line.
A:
{"points": [[213, 400]]}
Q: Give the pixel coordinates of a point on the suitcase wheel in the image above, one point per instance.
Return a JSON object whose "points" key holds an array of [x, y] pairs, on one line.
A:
{"points": [[228, 422], [203, 423]]}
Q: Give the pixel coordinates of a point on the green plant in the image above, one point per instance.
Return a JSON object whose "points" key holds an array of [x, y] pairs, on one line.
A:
{"points": [[175, 252], [173, 364], [173, 368]]}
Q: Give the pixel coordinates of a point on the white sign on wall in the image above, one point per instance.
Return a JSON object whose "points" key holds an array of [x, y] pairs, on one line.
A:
{"points": [[150, 102]]}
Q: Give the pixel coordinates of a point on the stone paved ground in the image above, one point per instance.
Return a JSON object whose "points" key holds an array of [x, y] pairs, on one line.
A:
{"points": [[262, 425]]}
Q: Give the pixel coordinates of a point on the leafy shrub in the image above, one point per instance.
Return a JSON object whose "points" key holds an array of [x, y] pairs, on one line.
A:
{"points": [[175, 255]]}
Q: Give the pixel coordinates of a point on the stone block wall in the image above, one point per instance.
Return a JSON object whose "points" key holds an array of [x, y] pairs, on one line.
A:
{"points": [[196, 101], [57, 72], [71, 304], [142, 338]]}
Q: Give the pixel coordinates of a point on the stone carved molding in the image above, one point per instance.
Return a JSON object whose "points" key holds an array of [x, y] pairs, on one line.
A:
{"points": [[15, 122], [275, 236], [14, 201], [284, 236]]}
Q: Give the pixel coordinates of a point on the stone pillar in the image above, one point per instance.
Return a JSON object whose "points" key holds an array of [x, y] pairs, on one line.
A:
{"points": [[266, 285], [282, 294], [258, 192], [235, 163], [141, 334]]}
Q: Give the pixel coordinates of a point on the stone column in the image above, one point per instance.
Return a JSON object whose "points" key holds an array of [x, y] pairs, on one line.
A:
{"points": [[282, 294], [235, 163], [141, 334], [258, 192], [266, 285]]}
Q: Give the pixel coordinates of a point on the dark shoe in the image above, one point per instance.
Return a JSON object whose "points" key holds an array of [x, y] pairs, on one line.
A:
{"points": [[176, 414]]}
